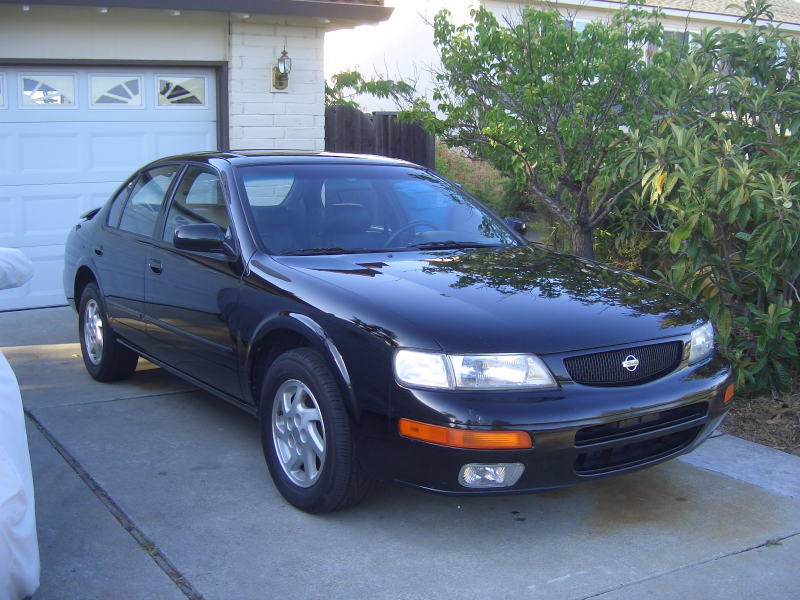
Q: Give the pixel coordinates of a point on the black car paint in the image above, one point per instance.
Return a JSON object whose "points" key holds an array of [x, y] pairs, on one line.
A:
{"points": [[244, 307]]}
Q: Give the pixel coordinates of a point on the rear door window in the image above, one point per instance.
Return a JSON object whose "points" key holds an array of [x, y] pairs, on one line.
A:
{"points": [[141, 211]]}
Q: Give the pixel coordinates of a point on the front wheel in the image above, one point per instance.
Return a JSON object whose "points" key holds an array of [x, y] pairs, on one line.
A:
{"points": [[305, 434], [105, 359]]}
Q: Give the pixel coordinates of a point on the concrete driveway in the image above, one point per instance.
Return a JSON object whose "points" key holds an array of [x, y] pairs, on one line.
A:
{"points": [[152, 488]]}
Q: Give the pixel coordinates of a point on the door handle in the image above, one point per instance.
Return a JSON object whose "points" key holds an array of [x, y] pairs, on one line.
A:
{"points": [[98, 250], [155, 266]]}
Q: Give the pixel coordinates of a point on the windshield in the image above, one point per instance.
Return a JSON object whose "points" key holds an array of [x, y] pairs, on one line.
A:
{"points": [[337, 208]]}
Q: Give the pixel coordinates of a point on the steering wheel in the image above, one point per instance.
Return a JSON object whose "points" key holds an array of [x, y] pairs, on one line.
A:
{"points": [[406, 227]]}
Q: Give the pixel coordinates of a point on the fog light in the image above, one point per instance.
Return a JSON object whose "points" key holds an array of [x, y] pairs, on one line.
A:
{"points": [[490, 476]]}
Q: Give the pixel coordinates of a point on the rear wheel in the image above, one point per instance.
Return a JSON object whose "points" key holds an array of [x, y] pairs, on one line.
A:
{"points": [[305, 434], [105, 359]]}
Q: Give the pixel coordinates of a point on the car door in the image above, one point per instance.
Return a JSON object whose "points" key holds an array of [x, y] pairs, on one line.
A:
{"points": [[120, 249], [191, 297]]}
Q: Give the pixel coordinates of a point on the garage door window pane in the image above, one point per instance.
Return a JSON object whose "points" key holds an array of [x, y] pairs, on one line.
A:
{"points": [[109, 90], [181, 91], [141, 211], [2, 90], [199, 199], [48, 90]]}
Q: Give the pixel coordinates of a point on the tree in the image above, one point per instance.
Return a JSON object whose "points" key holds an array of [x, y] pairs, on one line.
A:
{"points": [[551, 107], [345, 86], [720, 198]]}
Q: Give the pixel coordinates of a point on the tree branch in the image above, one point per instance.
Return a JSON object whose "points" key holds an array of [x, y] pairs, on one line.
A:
{"points": [[601, 212]]}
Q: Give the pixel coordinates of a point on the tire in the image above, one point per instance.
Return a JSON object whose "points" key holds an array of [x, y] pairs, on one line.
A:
{"points": [[105, 359], [309, 454]]}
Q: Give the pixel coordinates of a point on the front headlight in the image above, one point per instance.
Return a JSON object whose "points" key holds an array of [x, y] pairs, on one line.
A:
{"points": [[702, 343], [483, 371], [421, 369]]}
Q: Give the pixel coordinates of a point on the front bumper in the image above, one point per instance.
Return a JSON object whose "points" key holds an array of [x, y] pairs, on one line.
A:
{"points": [[580, 434]]}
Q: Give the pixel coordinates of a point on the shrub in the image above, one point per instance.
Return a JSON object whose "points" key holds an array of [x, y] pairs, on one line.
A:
{"points": [[480, 179], [719, 200]]}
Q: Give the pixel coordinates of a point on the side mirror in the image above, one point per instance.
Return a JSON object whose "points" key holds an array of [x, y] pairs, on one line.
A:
{"points": [[517, 224], [200, 237]]}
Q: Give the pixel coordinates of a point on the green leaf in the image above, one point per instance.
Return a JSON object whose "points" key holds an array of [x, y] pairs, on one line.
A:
{"points": [[678, 236]]}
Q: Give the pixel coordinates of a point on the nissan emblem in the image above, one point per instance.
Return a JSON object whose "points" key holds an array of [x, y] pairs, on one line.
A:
{"points": [[631, 363]]}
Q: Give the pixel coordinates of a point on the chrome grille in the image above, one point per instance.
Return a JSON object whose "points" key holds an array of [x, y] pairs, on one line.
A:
{"points": [[606, 368]]}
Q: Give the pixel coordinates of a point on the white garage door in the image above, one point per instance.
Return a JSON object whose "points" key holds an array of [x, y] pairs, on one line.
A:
{"points": [[69, 137]]}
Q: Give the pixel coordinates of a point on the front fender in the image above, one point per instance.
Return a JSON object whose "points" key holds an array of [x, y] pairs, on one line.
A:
{"points": [[311, 330]]}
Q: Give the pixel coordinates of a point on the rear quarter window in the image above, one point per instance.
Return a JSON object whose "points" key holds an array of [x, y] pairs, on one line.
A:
{"points": [[117, 205]]}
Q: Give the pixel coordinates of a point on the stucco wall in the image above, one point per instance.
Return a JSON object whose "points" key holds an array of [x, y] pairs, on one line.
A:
{"points": [[261, 117], [49, 32]]}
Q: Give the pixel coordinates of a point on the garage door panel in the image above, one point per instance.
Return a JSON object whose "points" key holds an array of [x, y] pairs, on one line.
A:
{"points": [[48, 270], [117, 152], [45, 288], [48, 216], [44, 214], [13, 298], [94, 152], [180, 142], [5, 155], [49, 153], [6, 221]]}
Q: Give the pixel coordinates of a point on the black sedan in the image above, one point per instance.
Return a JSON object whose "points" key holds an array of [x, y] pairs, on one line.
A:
{"points": [[382, 323]]}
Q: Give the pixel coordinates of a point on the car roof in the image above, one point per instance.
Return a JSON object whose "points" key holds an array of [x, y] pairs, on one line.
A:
{"points": [[265, 157]]}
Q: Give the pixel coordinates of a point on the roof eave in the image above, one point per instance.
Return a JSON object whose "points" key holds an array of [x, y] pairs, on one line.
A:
{"points": [[353, 12]]}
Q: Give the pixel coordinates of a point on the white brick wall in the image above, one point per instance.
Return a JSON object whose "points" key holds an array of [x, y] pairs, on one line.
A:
{"points": [[261, 117]]}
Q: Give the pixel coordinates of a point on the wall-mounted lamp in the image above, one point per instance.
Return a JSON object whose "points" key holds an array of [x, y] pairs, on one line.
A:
{"points": [[102, 10], [280, 74], [25, 8]]}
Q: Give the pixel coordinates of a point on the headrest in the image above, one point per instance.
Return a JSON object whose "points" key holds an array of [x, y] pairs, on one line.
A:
{"points": [[346, 218]]}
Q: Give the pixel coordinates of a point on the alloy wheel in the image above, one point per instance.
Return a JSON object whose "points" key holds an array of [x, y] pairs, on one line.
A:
{"points": [[298, 432], [93, 331]]}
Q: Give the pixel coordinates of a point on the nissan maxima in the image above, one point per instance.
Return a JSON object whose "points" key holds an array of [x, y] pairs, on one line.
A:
{"points": [[381, 323]]}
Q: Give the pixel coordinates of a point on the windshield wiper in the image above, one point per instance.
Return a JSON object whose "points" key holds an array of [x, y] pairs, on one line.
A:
{"points": [[454, 245], [331, 250]]}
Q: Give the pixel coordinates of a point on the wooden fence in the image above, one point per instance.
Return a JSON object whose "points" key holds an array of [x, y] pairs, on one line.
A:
{"points": [[347, 129]]}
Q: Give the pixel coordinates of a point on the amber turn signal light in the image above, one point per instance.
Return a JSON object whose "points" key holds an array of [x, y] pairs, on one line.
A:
{"points": [[729, 393], [465, 438]]}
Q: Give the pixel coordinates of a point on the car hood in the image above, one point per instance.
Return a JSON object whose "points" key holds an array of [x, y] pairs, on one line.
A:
{"points": [[520, 299]]}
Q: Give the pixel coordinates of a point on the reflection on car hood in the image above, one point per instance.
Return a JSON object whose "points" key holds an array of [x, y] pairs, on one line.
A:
{"points": [[477, 301]]}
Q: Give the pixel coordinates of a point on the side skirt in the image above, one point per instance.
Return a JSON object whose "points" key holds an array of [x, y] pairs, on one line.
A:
{"points": [[227, 397]]}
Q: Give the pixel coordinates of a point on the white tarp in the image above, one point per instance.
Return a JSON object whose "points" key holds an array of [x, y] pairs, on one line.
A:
{"points": [[15, 268], [19, 548]]}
